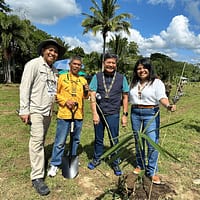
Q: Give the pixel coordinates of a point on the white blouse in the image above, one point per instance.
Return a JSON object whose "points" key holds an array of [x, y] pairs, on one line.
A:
{"points": [[150, 94]]}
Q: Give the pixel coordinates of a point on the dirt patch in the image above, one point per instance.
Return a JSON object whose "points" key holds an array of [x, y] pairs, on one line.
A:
{"points": [[95, 183], [127, 186], [132, 187], [6, 112]]}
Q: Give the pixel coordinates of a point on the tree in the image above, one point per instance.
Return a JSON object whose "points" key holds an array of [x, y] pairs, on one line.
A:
{"points": [[92, 62], [4, 7], [13, 37], [119, 46], [79, 51], [104, 19], [133, 49], [127, 53]]}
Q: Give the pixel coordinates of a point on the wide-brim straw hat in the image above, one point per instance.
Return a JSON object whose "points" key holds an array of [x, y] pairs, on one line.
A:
{"points": [[43, 44]]}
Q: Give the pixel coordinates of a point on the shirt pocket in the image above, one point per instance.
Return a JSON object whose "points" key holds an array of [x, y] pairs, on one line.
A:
{"points": [[43, 75]]}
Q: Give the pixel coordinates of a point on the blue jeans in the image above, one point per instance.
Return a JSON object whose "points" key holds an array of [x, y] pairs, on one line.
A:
{"points": [[113, 123], [139, 120], [63, 128]]}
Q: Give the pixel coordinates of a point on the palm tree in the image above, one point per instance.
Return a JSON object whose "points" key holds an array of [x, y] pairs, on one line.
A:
{"points": [[14, 33], [104, 19], [119, 46], [4, 7], [92, 61], [127, 52]]}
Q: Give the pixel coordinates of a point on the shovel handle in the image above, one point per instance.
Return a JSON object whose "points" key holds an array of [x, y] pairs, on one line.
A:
{"points": [[73, 111], [72, 127]]}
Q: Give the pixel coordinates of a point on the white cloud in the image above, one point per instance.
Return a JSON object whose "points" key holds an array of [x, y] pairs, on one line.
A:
{"points": [[74, 42], [170, 3], [94, 43], [176, 38], [193, 8], [178, 34], [43, 11]]}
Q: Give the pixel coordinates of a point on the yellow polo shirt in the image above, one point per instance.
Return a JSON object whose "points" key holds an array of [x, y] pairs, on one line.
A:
{"points": [[70, 87]]}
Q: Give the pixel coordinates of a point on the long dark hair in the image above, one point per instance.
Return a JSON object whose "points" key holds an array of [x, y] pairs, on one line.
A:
{"points": [[146, 62]]}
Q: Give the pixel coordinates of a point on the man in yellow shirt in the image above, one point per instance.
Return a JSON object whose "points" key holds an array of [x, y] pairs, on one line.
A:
{"points": [[71, 91]]}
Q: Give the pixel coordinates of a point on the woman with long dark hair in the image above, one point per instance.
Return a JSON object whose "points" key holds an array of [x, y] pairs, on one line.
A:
{"points": [[146, 93]]}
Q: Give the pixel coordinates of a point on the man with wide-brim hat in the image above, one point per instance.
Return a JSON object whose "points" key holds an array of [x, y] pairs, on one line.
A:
{"points": [[37, 95], [45, 43]]}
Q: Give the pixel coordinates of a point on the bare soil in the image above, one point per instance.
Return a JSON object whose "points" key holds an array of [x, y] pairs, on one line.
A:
{"points": [[133, 187], [100, 185]]}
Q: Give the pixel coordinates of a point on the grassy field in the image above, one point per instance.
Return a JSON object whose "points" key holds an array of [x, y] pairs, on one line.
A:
{"points": [[182, 140]]}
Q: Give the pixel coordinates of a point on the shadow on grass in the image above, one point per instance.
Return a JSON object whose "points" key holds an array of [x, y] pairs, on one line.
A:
{"points": [[47, 152], [191, 126], [126, 155]]}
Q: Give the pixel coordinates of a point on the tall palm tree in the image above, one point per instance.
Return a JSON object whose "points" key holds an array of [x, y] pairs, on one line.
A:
{"points": [[119, 46], [13, 36], [104, 19], [4, 7], [127, 52], [92, 61]]}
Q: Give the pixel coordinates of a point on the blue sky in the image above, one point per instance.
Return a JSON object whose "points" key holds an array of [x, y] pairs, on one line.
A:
{"points": [[158, 26]]}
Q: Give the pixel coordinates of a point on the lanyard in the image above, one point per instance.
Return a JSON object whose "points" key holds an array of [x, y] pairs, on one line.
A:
{"points": [[140, 88], [107, 90], [74, 84]]}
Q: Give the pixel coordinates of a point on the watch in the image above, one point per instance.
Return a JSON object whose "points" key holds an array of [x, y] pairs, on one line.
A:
{"points": [[125, 114]]}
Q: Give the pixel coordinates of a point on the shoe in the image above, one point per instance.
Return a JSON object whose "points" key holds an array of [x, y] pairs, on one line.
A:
{"points": [[52, 171], [40, 186], [137, 170], [117, 170], [93, 164], [156, 179]]}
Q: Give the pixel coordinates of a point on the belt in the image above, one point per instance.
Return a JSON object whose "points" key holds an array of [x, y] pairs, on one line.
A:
{"points": [[144, 106]]}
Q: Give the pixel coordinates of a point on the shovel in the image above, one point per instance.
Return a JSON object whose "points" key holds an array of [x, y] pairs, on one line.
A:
{"points": [[70, 163]]}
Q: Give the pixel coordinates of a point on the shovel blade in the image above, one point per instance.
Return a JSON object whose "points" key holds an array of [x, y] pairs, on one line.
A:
{"points": [[70, 166]]}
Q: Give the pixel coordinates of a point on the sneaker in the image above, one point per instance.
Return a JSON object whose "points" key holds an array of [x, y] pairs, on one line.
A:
{"points": [[117, 170], [40, 186], [93, 164], [156, 179], [137, 170], [52, 171]]}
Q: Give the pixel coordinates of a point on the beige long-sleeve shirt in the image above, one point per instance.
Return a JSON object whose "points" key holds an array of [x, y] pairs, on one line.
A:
{"points": [[37, 88]]}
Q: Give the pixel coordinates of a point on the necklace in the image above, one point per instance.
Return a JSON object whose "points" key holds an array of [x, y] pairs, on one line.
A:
{"points": [[107, 90], [74, 83], [140, 88]]}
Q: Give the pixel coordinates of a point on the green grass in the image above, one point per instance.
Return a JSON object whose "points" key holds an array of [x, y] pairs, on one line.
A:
{"points": [[182, 140]]}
